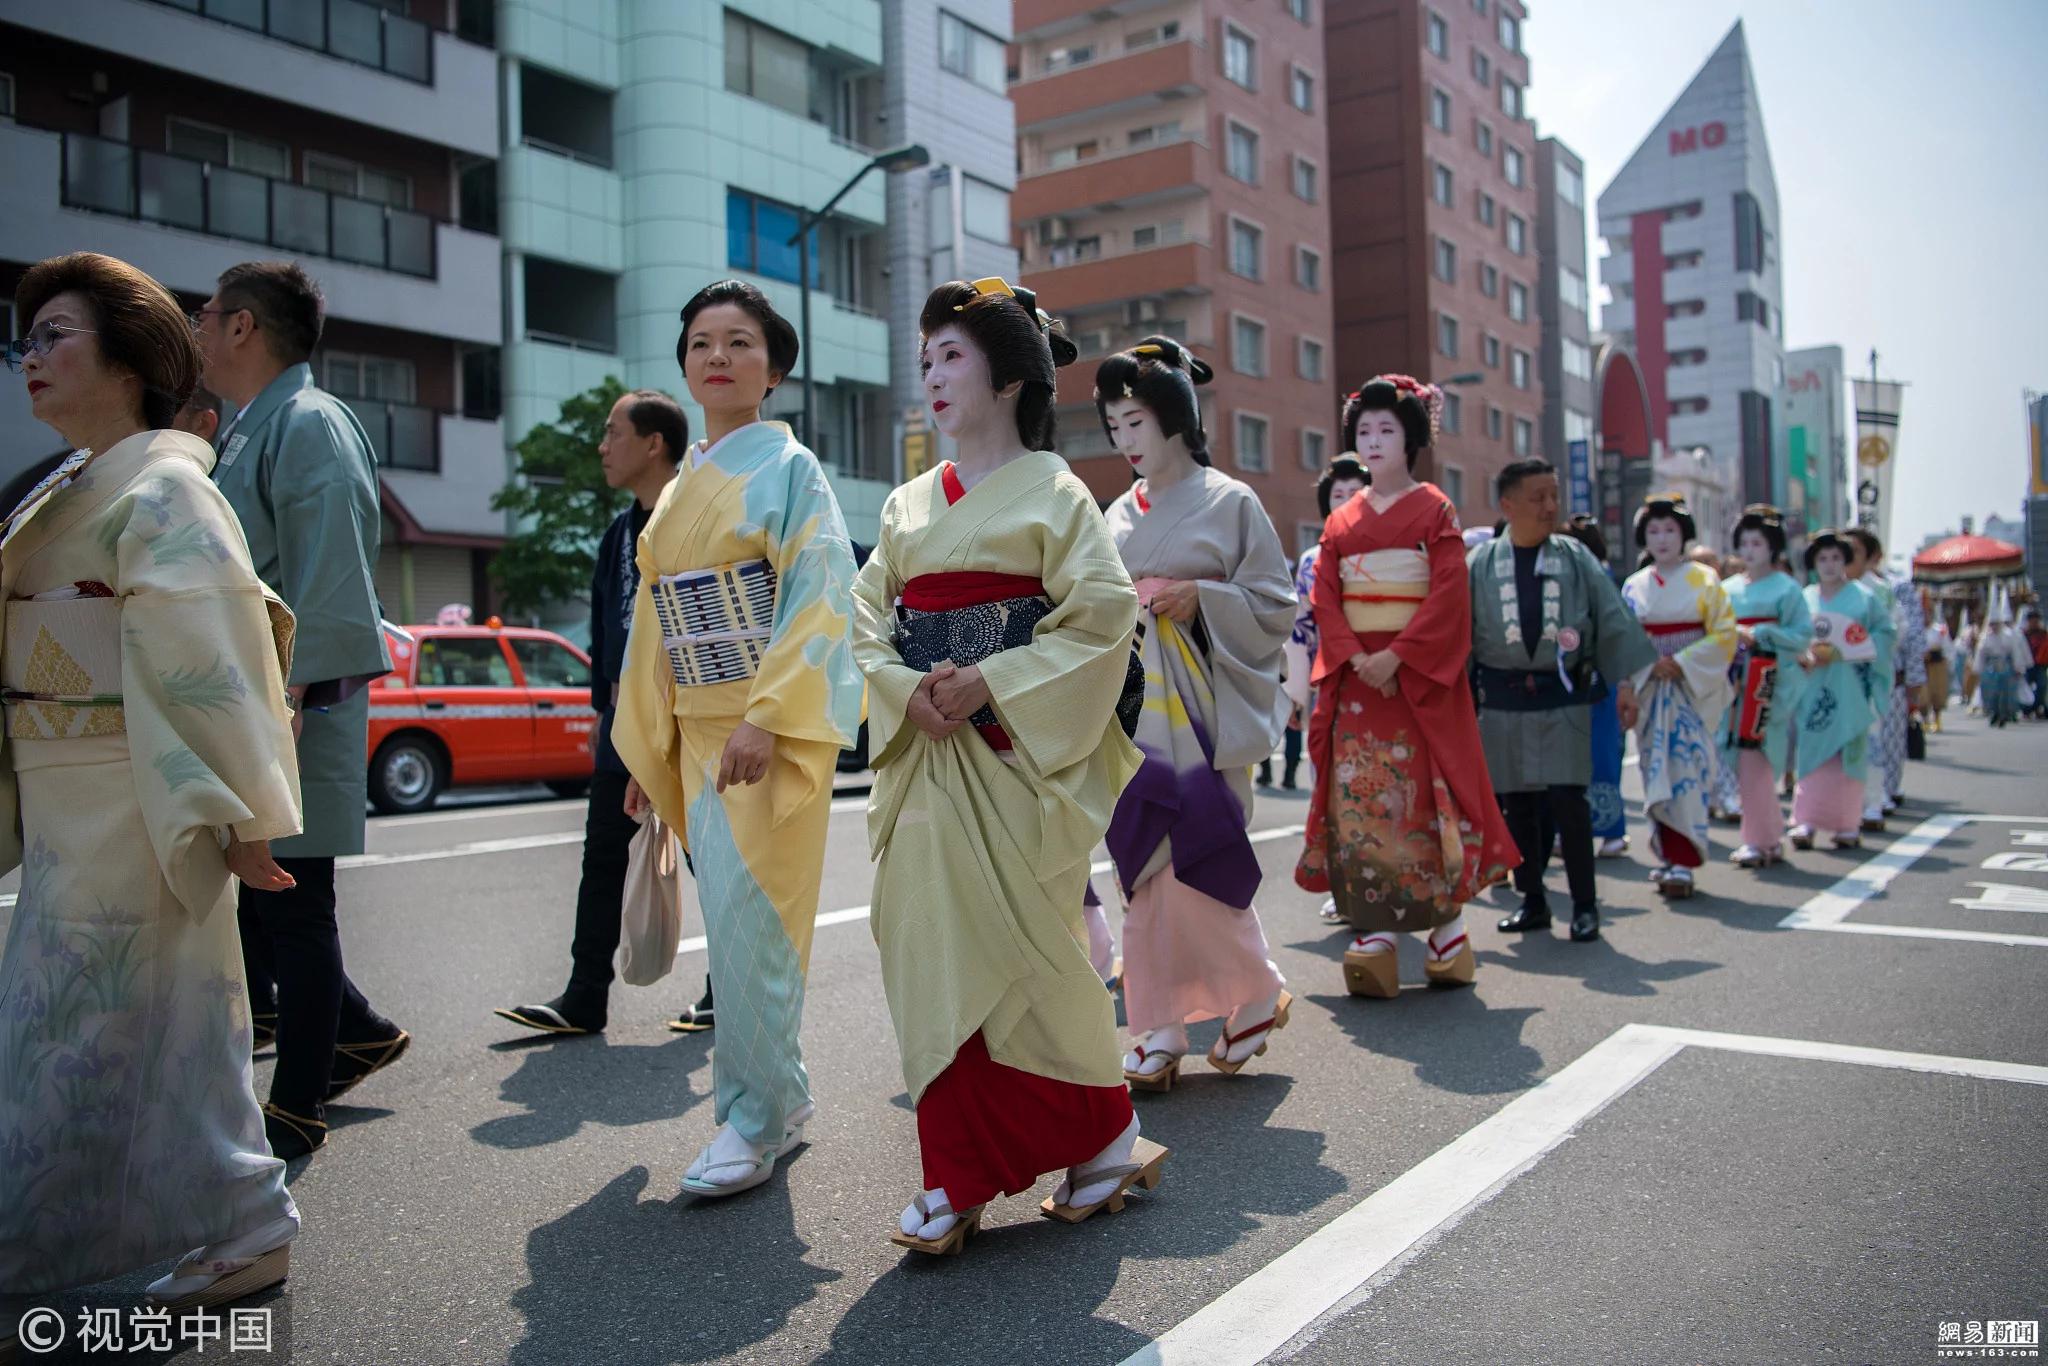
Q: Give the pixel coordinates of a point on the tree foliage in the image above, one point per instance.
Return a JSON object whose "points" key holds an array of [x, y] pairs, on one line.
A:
{"points": [[562, 506]]}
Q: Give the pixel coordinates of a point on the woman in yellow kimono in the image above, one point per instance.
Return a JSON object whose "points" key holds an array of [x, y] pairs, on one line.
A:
{"points": [[148, 759], [995, 624], [739, 692]]}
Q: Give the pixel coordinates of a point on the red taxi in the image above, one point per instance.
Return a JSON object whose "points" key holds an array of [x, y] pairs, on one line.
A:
{"points": [[465, 705]]}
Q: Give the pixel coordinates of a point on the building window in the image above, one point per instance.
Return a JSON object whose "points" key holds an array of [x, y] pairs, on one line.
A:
{"points": [[767, 64], [357, 181], [1439, 110], [1489, 280], [1518, 235], [385, 379], [1752, 238], [1510, 99], [1240, 57], [1437, 33], [570, 306], [1525, 436], [1247, 250], [1493, 423], [1510, 32], [1486, 209], [1578, 426], [1578, 359], [1066, 58], [1752, 308], [1518, 301], [1685, 407], [1309, 360], [1514, 166], [1253, 455], [237, 151], [757, 238], [1248, 346], [968, 51], [1482, 67], [1571, 186], [1304, 180], [1479, 7], [1308, 268], [1447, 335], [1446, 262], [985, 210], [1690, 355], [1300, 10], [1445, 187], [1301, 89], [1482, 137], [1693, 308], [1489, 351], [1152, 37], [1518, 369], [1153, 135], [1241, 154], [1451, 480], [1315, 449], [1571, 288], [1454, 411]]}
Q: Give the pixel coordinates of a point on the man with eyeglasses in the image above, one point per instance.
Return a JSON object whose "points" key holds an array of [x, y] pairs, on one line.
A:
{"points": [[298, 470]]}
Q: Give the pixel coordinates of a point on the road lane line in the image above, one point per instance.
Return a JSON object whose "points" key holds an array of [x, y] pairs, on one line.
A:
{"points": [[1830, 908], [474, 847], [1345, 1262], [696, 943]]}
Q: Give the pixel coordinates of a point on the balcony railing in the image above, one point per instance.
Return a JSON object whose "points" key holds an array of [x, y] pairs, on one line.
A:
{"points": [[183, 192], [1045, 168], [1072, 252], [352, 30], [405, 436]]}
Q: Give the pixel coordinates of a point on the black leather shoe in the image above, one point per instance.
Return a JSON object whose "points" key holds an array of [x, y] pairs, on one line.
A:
{"points": [[1530, 915], [1585, 924]]}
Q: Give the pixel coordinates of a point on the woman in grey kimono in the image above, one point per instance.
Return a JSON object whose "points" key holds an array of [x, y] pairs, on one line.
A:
{"points": [[1216, 604]]}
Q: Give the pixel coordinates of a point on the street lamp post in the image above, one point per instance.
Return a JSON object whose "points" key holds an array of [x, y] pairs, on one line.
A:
{"points": [[896, 159]]}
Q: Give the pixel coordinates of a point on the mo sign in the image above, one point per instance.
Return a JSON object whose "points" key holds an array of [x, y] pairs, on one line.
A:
{"points": [[1709, 135]]}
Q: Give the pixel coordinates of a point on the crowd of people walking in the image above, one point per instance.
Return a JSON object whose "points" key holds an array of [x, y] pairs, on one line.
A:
{"points": [[191, 620]]}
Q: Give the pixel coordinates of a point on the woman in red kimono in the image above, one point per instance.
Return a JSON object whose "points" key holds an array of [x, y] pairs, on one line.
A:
{"points": [[1402, 827]]}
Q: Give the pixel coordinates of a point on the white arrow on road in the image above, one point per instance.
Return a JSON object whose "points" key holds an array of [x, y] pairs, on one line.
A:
{"points": [[2004, 896]]}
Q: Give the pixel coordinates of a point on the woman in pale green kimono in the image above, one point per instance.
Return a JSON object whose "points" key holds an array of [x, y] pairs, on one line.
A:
{"points": [[147, 762], [738, 694]]}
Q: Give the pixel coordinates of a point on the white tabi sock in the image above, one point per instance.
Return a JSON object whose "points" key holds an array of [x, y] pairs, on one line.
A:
{"points": [[1442, 942], [1077, 1189], [1167, 1039]]}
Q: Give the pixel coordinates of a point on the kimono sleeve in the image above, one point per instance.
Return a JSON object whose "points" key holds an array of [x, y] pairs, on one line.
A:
{"points": [[891, 682], [1884, 635], [1621, 646], [1301, 641], [1057, 696], [1437, 644], [1247, 618], [643, 730], [1706, 660], [808, 687], [1792, 632], [327, 538], [205, 652]]}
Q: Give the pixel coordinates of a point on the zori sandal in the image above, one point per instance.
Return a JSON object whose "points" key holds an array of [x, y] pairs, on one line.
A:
{"points": [[1219, 1056], [966, 1223], [1145, 1170], [1160, 1080]]}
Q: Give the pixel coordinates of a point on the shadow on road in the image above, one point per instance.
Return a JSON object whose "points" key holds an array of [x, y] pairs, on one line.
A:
{"points": [[565, 1084], [1490, 1059], [638, 1282], [1599, 965]]}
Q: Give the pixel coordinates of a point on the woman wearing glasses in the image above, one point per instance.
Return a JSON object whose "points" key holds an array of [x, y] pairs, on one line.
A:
{"points": [[148, 761], [738, 693]]}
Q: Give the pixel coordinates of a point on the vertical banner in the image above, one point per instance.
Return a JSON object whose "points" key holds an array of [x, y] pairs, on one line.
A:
{"points": [[1877, 432], [1578, 453]]}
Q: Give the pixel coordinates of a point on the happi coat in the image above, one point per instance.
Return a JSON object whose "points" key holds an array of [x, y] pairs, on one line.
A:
{"points": [[145, 668]]}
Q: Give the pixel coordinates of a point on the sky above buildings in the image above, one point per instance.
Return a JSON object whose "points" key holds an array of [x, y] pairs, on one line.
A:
{"points": [[1907, 138]]}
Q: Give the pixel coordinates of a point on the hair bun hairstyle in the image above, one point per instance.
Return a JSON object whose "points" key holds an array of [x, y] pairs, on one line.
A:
{"points": [[1167, 351]]}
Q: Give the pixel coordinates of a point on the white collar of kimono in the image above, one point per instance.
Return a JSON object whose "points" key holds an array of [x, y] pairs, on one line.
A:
{"points": [[698, 453]]}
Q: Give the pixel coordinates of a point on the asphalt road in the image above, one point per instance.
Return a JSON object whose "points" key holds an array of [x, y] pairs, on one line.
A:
{"points": [[1762, 1191]]}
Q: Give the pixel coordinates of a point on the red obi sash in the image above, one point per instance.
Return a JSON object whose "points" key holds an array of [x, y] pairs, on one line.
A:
{"points": [[970, 588], [1672, 628]]}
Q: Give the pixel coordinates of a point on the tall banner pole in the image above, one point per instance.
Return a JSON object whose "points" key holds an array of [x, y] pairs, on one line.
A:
{"points": [[1877, 432]]}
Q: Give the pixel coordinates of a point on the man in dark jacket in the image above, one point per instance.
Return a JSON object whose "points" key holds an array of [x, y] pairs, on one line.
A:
{"points": [[644, 441]]}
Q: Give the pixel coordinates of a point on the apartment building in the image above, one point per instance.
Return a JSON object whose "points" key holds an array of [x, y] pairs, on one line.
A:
{"points": [[358, 138], [1173, 177], [1561, 302], [1435, 268]]}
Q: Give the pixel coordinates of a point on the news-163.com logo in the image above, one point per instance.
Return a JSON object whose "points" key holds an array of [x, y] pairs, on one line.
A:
{"points": [[1989, 1339]]}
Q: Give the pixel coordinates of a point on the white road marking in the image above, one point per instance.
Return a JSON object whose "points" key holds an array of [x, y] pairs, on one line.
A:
{"points": [[2005, 896], [1830, 909], [2016, 861], [503, 846], [696, 943], [1345, 1262]]}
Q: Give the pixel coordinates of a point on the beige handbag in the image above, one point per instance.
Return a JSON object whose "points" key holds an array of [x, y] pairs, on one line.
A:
{"points": [[651, 917]]}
